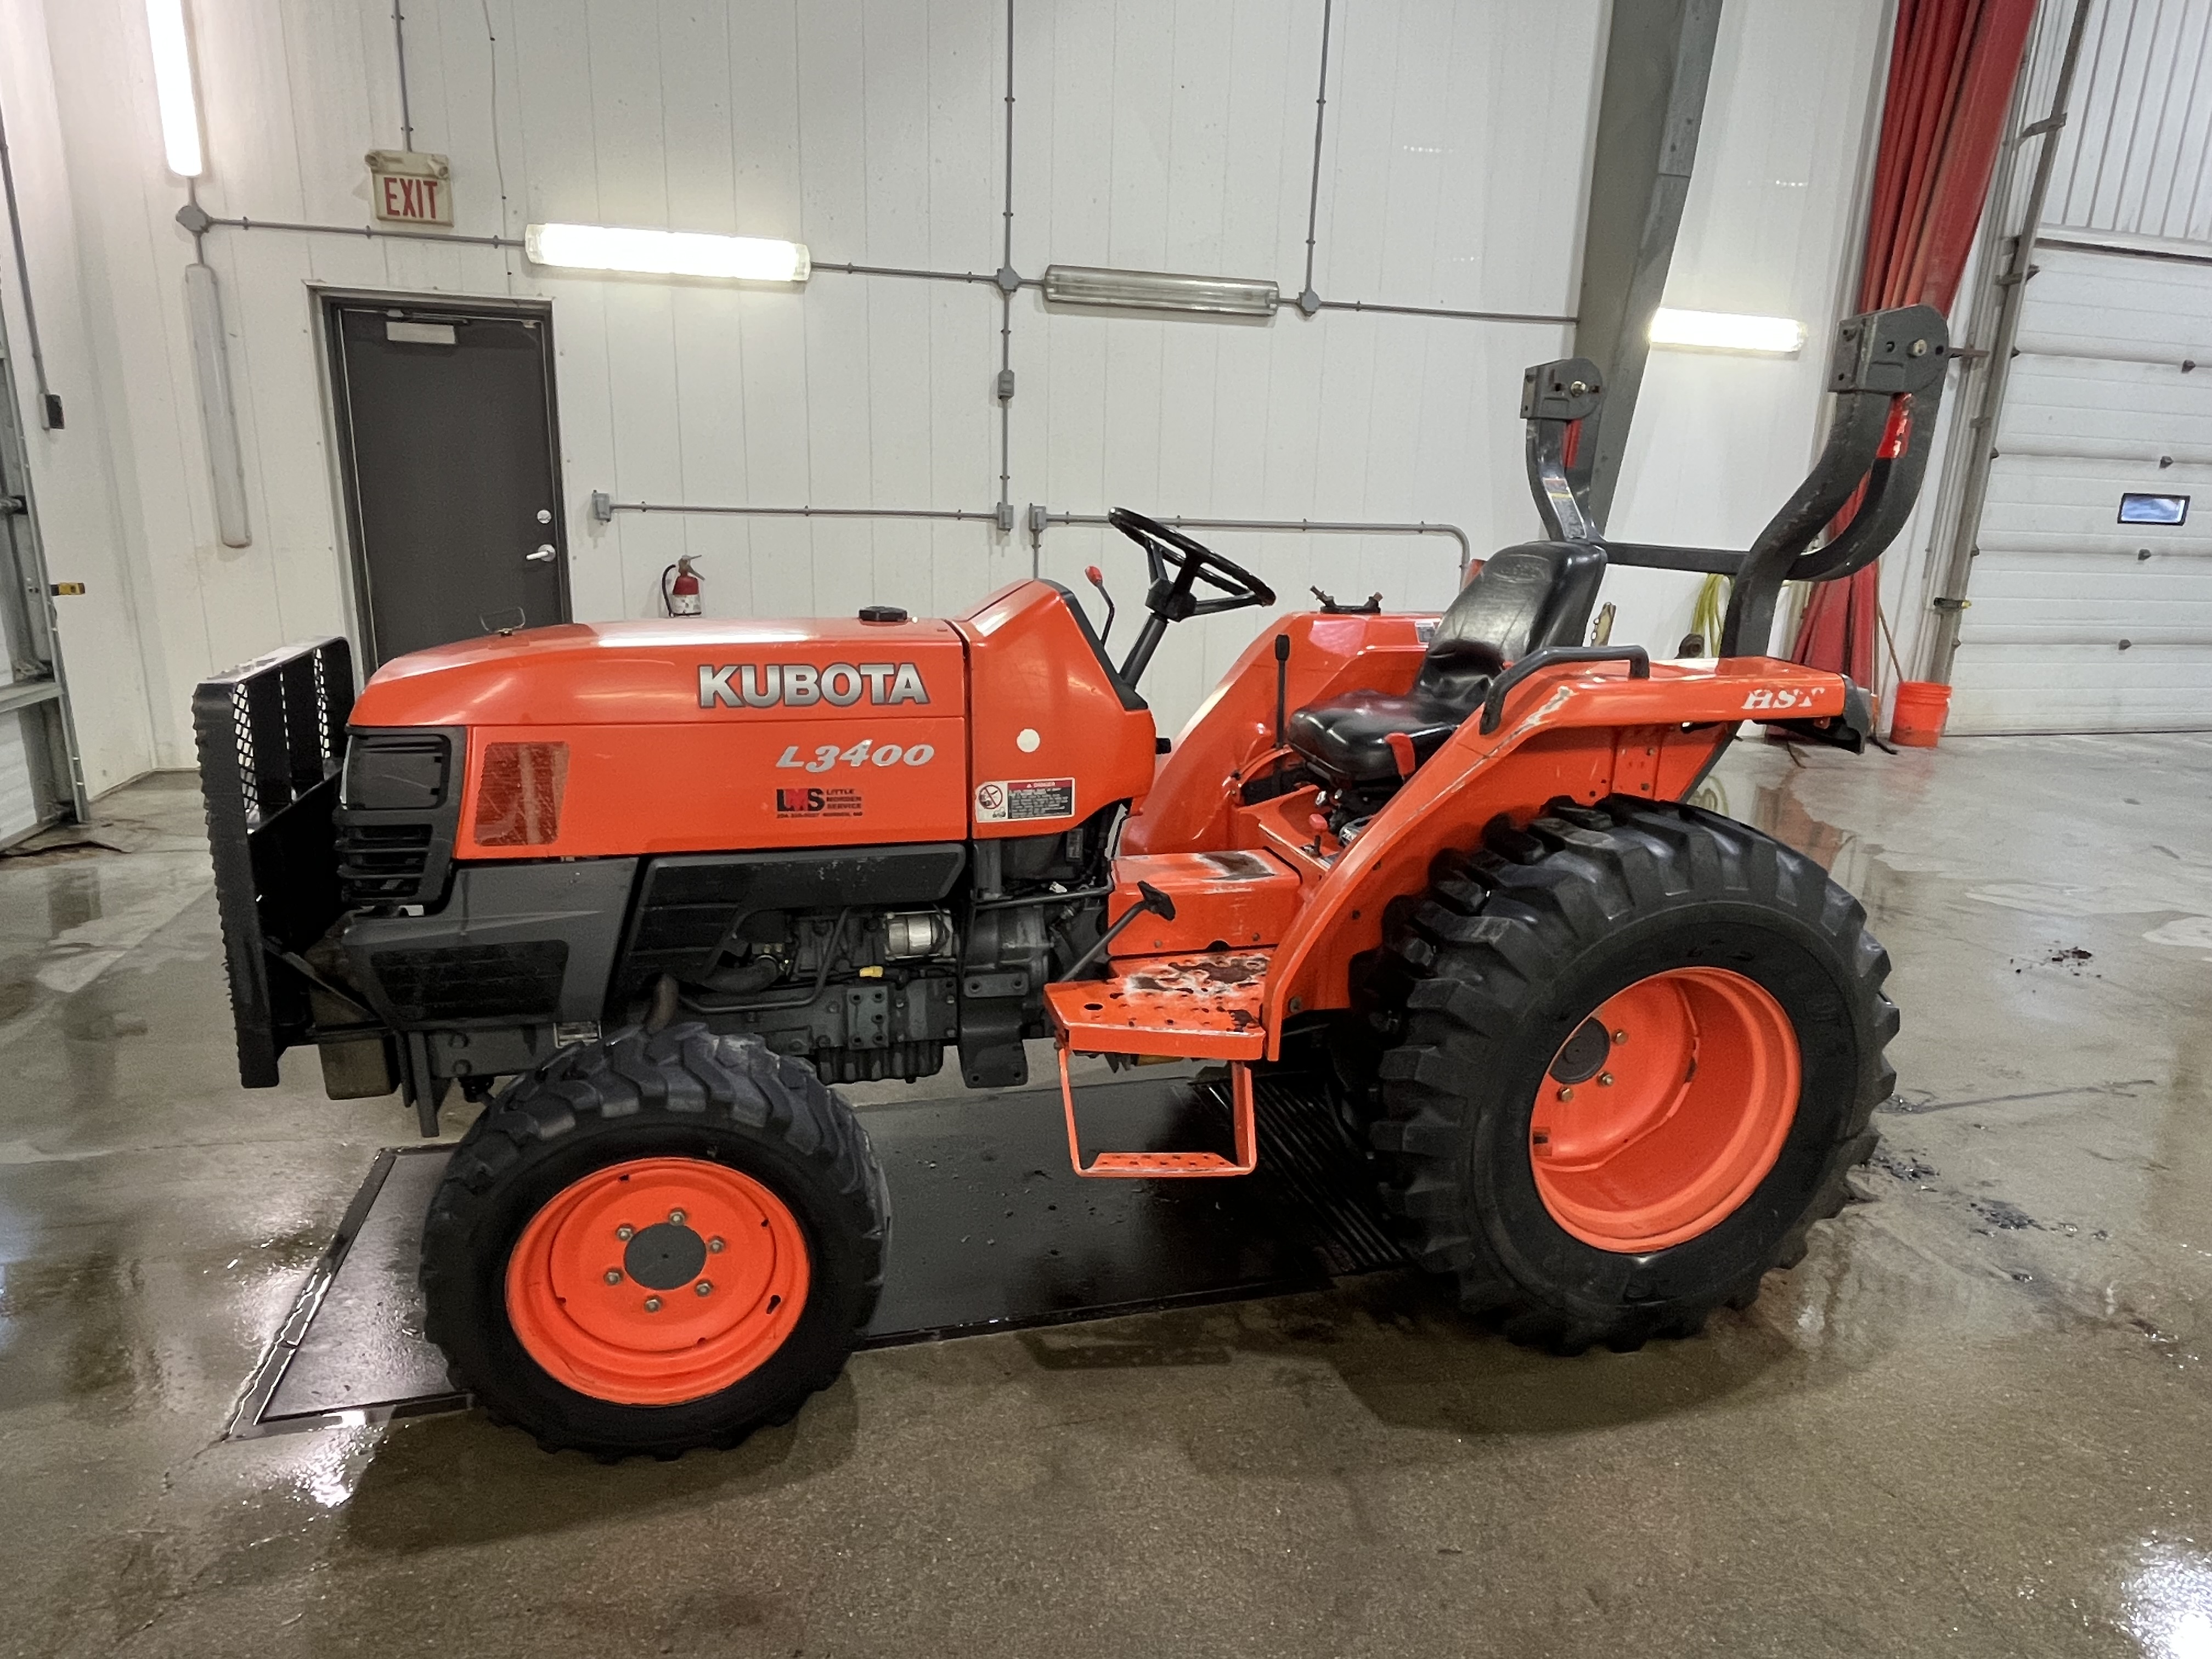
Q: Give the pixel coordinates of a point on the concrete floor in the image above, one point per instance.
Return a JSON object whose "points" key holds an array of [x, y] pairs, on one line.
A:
{"points": [[1974, 1421]]}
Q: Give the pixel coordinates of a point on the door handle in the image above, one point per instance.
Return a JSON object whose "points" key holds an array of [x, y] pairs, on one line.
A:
{"points": [[545, 550]]}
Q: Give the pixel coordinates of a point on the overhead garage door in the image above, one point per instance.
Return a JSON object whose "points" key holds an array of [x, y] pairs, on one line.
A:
{"points": [[2079, 621], [20, 808]]}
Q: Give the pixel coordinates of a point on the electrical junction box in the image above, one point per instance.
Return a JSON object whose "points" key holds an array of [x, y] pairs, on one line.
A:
{"points": [[409, 187]]}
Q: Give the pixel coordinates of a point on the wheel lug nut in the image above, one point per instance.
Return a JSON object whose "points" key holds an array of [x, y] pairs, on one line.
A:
{"points": [[614, 1275], [625, 1231], [1604, 1079], [716, 1245], [1566, 1094], [652, 1304], [675, 1217], [1620, 1036], [705, 1288]]}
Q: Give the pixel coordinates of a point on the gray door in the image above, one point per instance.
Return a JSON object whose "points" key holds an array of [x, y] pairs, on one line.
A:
{"points": [[445, 419]]}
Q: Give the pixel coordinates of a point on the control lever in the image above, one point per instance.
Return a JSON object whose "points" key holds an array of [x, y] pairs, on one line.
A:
{"points": [[1098, 579], [1282, 682], [1150, 901], [1372, 607]]}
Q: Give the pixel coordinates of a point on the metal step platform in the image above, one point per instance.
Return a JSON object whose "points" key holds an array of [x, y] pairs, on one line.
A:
{"points": [[992, 1231]]}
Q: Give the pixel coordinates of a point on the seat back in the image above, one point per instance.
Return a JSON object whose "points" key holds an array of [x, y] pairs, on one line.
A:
{"points": [[1523, 600]]}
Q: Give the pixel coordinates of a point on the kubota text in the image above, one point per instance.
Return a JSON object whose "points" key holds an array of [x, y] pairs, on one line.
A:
{"points": [[801, 685]]}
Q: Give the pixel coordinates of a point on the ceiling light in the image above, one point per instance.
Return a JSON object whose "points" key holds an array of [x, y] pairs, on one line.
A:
{"points": [[1722, 331], [1157, 290], [667, 252], [173, 85]]}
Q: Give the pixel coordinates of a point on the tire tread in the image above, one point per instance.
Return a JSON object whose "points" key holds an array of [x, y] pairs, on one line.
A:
{"points": [[686, 1073], [1472, 950]]}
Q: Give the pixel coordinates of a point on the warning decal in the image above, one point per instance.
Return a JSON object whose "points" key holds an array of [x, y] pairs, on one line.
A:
{"points": [[1024, 798]]}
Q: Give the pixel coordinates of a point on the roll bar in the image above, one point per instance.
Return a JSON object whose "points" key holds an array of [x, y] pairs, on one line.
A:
{"points": [[1886, 373]]}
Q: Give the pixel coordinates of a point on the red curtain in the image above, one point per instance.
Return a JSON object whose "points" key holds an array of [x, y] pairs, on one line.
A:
{"points": [[1952, 66]]}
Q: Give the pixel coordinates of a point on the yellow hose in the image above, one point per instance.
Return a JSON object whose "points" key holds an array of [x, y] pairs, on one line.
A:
{"points": [[1712, 602]]}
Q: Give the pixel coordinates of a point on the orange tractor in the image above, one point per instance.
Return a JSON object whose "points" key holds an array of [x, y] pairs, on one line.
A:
{"points": [[648, 890]]}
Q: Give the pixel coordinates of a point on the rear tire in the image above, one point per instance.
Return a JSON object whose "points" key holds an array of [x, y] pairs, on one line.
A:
{"points": [[551, 1338], [1489, 987]]}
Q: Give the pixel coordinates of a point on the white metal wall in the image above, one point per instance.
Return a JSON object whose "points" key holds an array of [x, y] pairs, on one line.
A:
{"points": [[84, 524], [2136, 154], [1772, 227], [1162, 134], [19, 806]]}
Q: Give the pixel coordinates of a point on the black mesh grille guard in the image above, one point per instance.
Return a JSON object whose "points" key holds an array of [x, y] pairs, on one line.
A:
{"points": [[272, 737]]}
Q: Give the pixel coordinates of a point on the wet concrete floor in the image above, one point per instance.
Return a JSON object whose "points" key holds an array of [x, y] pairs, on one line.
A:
{"points": [[1973, 1421]]}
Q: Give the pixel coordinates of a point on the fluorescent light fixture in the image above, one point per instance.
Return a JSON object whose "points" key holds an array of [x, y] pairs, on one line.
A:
{"points": [[218, 412], [667, 252], [173, 85], [1722, 331], [1158, 290]]}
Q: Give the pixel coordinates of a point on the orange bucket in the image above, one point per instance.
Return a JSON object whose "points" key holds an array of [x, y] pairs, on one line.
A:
{"points": [[1916, 719]]}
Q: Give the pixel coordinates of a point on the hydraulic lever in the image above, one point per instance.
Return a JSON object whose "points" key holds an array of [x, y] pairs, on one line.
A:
{"points": [[1150, 901]]}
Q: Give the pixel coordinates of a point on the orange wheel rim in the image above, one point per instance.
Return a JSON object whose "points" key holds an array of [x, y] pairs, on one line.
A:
{"points": [[1663, 1111], [658, 1280]]}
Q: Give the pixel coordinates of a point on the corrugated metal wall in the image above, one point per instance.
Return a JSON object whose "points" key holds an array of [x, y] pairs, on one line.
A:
{"points": [[2136, 154]]}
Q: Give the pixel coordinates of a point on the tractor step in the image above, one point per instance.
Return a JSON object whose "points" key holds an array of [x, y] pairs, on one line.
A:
{"points": [[1200, 1005], [1141, 1166], [1203, 1005]]}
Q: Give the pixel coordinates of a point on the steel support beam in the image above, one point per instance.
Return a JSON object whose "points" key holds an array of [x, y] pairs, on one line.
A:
{"points": [[1659, 55]]}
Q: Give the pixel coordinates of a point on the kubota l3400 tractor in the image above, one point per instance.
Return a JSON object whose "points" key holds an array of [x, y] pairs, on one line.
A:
{"points": [[648, 890]]}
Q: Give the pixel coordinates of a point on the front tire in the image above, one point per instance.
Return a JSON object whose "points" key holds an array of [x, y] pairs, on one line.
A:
{"points": [[1637, 1048], [654, 1243]]}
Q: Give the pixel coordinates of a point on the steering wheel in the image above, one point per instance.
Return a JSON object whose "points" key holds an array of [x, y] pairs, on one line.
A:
{"points": [[1171, 598]]}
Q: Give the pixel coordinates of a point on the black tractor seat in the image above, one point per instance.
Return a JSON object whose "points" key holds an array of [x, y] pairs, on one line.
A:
{"points": [[1523, 599]]}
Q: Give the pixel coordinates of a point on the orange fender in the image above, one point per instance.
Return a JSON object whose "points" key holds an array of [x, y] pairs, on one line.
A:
{"points": [[1578, 731]]}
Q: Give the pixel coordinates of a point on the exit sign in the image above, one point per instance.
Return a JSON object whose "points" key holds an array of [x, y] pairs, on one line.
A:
{"points": [[408, 187]]}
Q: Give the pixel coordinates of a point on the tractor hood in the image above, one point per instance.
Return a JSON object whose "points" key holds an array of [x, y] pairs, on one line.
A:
{"points": [[657, 672]]}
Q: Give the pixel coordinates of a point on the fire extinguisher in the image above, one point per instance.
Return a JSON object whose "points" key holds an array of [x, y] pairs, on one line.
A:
{"points": [[680, 598]]}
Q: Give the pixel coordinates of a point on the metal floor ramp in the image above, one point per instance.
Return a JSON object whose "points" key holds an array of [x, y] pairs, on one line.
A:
{"points": [[992, 1231]]}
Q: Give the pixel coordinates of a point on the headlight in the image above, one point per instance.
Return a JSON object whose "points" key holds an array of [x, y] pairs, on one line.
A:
{"points": [[395, 772]]}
